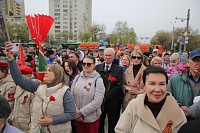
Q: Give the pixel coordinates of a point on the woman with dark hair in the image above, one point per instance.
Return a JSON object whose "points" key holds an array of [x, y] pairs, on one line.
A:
{"points": [[88, 91], [155, 111], [132, 84], [71, 70]]}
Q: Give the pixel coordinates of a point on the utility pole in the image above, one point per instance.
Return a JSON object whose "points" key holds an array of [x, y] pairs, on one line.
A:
{"points": [[172, 45], [187, 29]]}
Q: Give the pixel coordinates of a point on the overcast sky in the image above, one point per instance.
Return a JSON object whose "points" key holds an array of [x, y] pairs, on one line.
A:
{"points": [[145, 16]]}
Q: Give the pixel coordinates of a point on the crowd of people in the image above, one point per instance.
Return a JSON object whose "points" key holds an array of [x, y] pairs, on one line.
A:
{"points": [[136, 92]]}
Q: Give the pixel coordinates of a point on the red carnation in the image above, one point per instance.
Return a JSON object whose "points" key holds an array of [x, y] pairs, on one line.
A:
{"points": [[134, 86], [198, 69], [52, 98], [186, 66], [184, 69], [111, 78]]}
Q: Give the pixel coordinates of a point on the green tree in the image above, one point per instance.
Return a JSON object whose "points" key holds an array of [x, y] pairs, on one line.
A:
{"points": [[162, 38], [84, 36], [122, 34], [64, 35], [18, 32]]}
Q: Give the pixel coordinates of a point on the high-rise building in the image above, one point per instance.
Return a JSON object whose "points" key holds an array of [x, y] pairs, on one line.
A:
{"points": [[73, 16], [13, 7]]}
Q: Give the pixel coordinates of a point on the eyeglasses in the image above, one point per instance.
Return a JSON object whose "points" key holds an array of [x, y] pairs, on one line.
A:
{"points": [[87, 64], [138, 57]]}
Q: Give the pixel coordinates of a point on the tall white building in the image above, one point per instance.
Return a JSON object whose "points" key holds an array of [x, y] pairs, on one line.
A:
{"points": [[70, 15]]}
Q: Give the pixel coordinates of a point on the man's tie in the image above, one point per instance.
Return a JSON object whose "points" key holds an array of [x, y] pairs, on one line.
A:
{"points": [[107, 66]]}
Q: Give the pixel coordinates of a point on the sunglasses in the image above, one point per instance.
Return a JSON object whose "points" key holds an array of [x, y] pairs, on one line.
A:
{"points": [[138, 57], [87, 64]]}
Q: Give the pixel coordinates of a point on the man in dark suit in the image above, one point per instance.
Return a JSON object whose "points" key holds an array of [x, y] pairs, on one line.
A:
{"points": [[112, 104]]}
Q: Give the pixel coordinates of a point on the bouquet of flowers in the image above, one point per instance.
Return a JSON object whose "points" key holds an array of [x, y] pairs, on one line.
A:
{"points": [[111, 80], [51, 98]]}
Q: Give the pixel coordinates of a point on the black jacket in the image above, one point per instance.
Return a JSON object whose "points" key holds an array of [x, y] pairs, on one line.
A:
{"points": [[112, 96]]}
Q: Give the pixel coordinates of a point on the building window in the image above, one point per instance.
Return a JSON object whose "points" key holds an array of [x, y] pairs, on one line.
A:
{"points": [[65, 6], [56, 6], [57, 10], [57, 14], [57, 27], [75, 5], [57, 18], [65, 27], [57, 31], [75, 18], [65, 2], [65, 18], [57, 22], [65, 10], [65, 23]]}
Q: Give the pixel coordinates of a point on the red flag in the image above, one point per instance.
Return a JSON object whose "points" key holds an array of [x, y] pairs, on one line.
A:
{"points": [[22, 56], [39, 26]]}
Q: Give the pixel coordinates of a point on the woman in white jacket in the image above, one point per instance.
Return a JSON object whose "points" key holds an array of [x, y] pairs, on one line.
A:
{"points": [[88, 91], [156, 111]]}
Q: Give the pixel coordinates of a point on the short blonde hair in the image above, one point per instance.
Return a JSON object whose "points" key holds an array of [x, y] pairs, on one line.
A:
{"points": [[127, 57], [59, 73], [138, 52], [157, 58]]}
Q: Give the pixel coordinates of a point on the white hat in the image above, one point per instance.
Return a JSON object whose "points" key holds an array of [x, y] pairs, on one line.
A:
{"points": [[155, 50]]}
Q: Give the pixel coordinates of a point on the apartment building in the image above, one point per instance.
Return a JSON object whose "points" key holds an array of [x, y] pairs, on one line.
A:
{"points": [[13, 7], [73, 16]]}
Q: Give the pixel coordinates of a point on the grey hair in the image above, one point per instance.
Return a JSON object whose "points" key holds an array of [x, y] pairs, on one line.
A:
{"points": [[110, 49]]}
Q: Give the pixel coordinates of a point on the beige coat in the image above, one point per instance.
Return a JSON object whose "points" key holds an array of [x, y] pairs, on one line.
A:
{"points": [[21, 115], [129, 81], [54, 108], [138, 118], [7, 89]]}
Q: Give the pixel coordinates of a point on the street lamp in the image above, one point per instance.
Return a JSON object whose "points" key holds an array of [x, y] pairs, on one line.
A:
{"points": [[172, 45]]}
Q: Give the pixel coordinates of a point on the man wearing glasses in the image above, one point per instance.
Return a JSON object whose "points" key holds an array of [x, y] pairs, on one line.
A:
{"points": [[112, 104], [185, 87]]}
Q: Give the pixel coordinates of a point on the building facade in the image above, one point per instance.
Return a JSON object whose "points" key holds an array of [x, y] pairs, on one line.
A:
{"points": [[73, 16], [13, 7]]}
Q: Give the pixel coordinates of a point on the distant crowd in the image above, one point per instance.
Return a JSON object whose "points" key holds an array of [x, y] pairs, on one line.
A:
{"points": [[137, 92]]}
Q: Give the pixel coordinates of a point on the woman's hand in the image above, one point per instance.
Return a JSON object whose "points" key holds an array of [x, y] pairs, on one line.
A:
{"points": [[78, 113], [79, 118], [45, 120], [8, 47]]}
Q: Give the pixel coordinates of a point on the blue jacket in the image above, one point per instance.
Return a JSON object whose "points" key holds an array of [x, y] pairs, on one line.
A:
{"points": [[50, 60], [180, 88]]}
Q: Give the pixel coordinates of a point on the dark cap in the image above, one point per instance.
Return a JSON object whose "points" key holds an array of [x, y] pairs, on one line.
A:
{"points": [[5, 109], [194, 53], [49, 52]]}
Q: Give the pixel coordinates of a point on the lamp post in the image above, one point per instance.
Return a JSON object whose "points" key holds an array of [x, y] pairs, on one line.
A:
{"points": [[186, 30], [172, 45]]}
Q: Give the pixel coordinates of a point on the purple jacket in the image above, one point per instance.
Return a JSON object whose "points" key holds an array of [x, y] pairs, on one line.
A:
{"points": [[11, 129]]}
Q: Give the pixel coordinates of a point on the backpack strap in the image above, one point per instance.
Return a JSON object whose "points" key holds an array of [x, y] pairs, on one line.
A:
{"points": [[96, 81]]}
